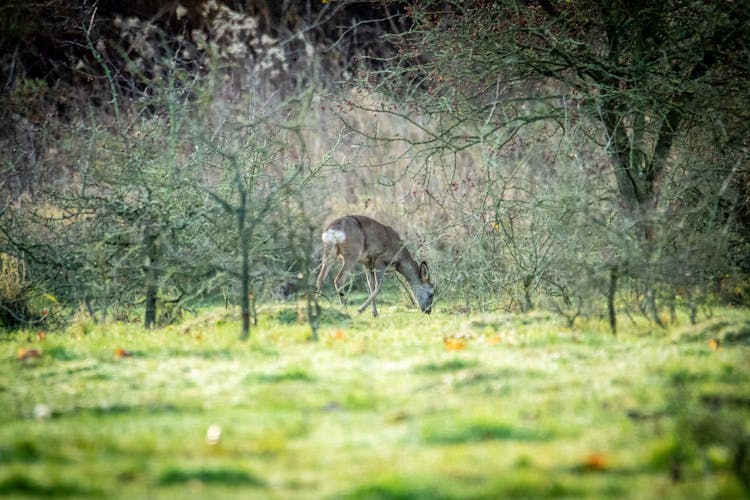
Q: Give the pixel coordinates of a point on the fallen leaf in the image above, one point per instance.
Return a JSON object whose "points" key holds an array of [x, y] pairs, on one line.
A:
{"points": [[24, 354], [495, 340], [41, 335], [452, 344], [339, 335], [596, 462], [122, 353]]}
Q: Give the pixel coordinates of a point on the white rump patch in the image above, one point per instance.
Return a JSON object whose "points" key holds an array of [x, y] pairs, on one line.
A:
{"points": [[334, 236]]}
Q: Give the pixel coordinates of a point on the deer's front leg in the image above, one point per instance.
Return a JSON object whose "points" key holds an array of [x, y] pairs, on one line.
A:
{"points": [[378, 279]]}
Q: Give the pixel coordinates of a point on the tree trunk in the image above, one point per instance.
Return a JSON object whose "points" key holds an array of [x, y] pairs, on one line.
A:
{"points": [[637, 175], [150, 314], [152, 278], [245, 271], [611, 299], [527, 282]]}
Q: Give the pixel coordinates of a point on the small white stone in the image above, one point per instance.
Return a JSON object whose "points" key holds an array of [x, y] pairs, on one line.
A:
{"points": [[42, 412], [213, 434]]}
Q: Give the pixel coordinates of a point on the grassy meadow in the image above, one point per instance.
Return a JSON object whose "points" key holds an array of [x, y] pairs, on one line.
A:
{"points": [[402, 406]]}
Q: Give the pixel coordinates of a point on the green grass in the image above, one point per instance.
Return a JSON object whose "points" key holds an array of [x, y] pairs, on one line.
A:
{"points": [[378, 409]]}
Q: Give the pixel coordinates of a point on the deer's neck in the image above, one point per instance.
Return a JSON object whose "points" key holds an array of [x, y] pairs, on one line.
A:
{"points": [[409, 269]]}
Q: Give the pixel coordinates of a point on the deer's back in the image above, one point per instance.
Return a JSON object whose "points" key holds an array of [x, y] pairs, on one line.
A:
{"points": [[367, 238]]}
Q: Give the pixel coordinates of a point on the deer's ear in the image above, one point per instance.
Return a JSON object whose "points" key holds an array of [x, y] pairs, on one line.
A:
{"points": [[424, 272]]}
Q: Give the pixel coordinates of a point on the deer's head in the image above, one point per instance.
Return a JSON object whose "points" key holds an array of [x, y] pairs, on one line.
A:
{"points": [[425, 290]]}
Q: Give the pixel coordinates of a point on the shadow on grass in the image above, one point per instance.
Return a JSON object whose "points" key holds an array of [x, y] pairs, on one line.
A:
{"points": [[231, 477], [124, 409], [521, 484], [727, 332], [443, 431], [59, 353], [447, 366], [495, 377], [22, 485], [119, 409], [285, 376], [224, 353], [738, 334], [401, 488], [328, 316], [23, 450], [511, 321]]}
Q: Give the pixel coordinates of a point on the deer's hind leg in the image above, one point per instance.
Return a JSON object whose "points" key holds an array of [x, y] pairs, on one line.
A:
{"points": [[372, 285], [340, 280], [329, 255]]}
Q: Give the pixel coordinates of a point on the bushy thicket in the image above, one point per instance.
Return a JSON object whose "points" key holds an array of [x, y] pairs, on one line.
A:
{"points": [[136, 197], [129, 194], [611, 173]]}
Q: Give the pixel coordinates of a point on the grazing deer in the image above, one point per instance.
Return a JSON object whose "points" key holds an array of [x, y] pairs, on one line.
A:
{"points": [[356, 238]]}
